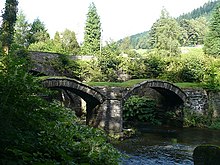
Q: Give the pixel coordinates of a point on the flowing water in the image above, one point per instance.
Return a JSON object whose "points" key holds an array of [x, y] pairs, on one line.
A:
{"points": [[165, 146]]}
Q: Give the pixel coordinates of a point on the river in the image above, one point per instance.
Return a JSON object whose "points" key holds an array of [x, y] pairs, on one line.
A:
{"points": [[165, 146]]}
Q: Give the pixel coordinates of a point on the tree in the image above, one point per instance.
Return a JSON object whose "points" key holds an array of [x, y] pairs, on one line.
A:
{"points": [[7, 28], [69, 42], [92, 34], [110, 62], [212, 40], [164, 35], [22, 27], [193, 31], [64, 43], [38, 32]]}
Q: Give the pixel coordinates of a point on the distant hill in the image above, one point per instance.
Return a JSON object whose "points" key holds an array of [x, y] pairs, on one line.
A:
{"points": [[202, 11], [138, 41]]}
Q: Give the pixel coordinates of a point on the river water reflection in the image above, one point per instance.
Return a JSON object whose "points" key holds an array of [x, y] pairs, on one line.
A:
{"points": [[165, 146]]}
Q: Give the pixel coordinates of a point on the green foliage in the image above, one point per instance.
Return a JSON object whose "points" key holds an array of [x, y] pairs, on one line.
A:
{"points": [[7, 27], [137, 41], [106, 66], [193, 119], [212, 74], [136, 68], [22, 27], [64, 43], [92, 34], [33, 131], [188, 67], [125, 44], [140, 109], [193, 31], [69, 42], [155, 65], [110, 62], [44, 46], [38, 32], [202, 11], [212, 41], [215, 124], [164, 35], [89, 71], [65, 66]]}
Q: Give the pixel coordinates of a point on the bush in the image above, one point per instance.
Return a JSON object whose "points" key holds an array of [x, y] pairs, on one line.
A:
{"points": [[212, 74], [155, 65], [192, 119], [140, 109], [185, 68]]}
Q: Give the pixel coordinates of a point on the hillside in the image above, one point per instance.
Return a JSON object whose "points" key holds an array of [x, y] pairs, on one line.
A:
{"points": [[202, 11], [139, 41]]}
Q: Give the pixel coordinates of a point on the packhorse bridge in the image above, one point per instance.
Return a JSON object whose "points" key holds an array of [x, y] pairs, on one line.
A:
{"points": [[104, 104]]}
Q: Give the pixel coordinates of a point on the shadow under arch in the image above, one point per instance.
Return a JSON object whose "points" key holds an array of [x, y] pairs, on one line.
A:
{"points": [[91, 96]]}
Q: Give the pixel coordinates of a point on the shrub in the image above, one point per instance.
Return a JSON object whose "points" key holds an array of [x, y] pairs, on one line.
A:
{"points": [[212, 74], [155, 65], [193, 119], [140, 109], [185, 68]]}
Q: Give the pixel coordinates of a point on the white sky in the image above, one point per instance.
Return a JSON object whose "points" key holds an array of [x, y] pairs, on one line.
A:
{"points": [[119, 18]]}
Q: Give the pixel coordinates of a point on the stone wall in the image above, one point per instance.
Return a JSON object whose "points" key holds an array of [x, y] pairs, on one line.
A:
{"points": [[202, 101], [197, 100]]}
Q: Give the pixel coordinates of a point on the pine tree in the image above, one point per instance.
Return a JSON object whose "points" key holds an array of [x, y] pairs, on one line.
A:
{"points": [[38, 32], [7, 28], [92, 34], [212, 40], [22, 27]]}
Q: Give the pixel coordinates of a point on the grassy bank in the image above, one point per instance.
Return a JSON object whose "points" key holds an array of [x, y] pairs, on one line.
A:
{"points": [[131, 83]]}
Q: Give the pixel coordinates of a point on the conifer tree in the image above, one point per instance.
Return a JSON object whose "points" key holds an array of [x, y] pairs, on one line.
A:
{"points": [[22, 27], [92, 34], [38, 32], [7, 27]]}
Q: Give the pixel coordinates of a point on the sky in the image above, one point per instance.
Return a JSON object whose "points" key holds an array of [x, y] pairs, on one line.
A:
{"points": [[119, 18]]}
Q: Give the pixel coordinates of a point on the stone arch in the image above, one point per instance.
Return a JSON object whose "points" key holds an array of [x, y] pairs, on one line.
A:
{"points": [[163, 87], [91, 96], [173, 97]]}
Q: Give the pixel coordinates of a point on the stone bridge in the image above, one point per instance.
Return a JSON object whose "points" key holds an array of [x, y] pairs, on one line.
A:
{"points": [[104, 104], [91, 96], [42, 63]]}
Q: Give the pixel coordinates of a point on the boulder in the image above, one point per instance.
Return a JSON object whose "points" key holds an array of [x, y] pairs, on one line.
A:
{"points": [[206, 155]]}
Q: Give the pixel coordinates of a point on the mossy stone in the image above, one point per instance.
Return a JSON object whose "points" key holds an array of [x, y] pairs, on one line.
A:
{"points": [[206, 155]]}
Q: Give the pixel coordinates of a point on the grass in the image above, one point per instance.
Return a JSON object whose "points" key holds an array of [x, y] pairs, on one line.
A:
{"points": [[129, 83], [189, 85]]}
